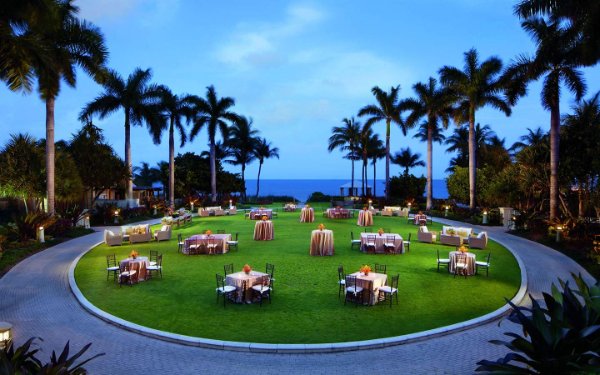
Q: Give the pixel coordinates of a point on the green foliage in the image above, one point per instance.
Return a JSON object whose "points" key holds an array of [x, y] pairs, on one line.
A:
{"points": [[317, 196], [407, 187], [561, 338], [192, 176], [22, 166], [458, 186], [23, 360], [25, 227]]}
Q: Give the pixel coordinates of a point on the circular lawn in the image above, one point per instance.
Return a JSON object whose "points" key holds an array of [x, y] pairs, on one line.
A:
{"points": [[305, 307]]}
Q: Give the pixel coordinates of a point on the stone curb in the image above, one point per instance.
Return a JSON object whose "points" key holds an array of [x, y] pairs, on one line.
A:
{"points": [[294, 348]]}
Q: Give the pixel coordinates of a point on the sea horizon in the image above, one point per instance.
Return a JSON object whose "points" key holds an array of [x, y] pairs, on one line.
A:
{"points": [[301, 189]]}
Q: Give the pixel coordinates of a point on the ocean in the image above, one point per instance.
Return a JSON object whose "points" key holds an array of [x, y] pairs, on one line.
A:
{"points": [[302, 189]]}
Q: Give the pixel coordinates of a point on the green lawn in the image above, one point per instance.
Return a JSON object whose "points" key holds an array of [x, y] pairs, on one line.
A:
{"points": [[305, 306]]}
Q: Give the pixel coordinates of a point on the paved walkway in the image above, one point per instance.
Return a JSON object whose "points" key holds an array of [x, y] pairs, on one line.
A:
{"points": [[35, 297]]}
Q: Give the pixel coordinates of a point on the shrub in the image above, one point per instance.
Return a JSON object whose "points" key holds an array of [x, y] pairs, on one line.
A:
{"points": [[317, 196]]}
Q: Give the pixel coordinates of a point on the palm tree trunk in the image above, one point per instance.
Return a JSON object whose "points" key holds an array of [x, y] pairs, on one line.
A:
{"points": [[244, 181], [352, 183], [213, 172], [129, 183], [50, 153], [554, 147], [374, 176], [260, 163], [172, 164], [387, 160], [429, 166], [472, 159]]}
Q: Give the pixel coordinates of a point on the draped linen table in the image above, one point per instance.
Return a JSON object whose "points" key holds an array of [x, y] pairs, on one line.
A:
{"points": [[470, 262], [380, 240], [365, 218], [321, 242], [237, 280], [420, 219], [263, 230], [370, 284], [307, 215], [138, 264], [202, 240], [258, 214]]}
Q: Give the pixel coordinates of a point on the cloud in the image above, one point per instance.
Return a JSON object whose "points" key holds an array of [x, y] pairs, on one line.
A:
{"points": [[262, 45]]}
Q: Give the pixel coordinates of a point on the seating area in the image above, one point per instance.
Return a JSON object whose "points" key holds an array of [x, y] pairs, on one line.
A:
{"points": [[137, 233]]}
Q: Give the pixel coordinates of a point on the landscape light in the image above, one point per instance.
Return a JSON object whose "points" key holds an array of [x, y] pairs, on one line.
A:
{"points": [[5, 334], [116, 216], [559, 229], [41, 235], [485, 217], [446, 212]]}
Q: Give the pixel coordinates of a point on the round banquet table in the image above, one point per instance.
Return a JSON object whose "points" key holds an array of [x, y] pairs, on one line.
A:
{"points": [[307, 215], [321, 242], [263, 230], [365, 218], [470, 262]]}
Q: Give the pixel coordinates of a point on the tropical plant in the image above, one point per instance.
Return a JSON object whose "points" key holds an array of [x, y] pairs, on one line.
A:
{"points": [[533, 137], [23, 360], [264, 150], [474, 87], [213, 113], [560, 336], [69, 43], [139, 101], [365, 145], [406, 159], [435, 105], [145, 175], [242, 142], [458, 142], [346, 139], [222, 151], [386, 110], [174, 108], [557, 60]]}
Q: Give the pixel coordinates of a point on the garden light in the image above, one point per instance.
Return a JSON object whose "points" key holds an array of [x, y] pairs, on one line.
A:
{"points": [[117, 217], [485, 217], [559, 229], [230, 204], [446, 211], [5, 334], [41, 235]]}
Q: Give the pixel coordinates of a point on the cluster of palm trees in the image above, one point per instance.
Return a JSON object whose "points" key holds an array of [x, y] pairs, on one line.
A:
{"points": [[43, 41], [566, 37]]}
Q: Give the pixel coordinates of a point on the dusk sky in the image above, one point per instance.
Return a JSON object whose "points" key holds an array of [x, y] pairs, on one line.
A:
{"points": [[297, 68]]}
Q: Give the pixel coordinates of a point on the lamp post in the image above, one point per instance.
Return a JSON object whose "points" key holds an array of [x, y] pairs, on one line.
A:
{"points": [[117, 217], [154, 210], [87, 222], [230, 204], [41, 235], [5, 334], [192, 206], [370, 204], [446, 211], [409, 204], [558, 232], [485, 217]]}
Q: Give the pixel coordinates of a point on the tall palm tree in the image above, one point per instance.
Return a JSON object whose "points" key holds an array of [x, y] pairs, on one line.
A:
{"points": [[242, 142], [213, 113], [375, 151], [138, 99], [459, 142], [533, 137], [386, 110], [264, 150], [557, 60], [346, 139], [435, 105], [475, 87], [69, 43], [174, 108], [146, 175], [406, 159], [364, 144], [222, 151]]}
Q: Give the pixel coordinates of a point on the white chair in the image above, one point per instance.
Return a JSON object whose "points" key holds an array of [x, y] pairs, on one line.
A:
{"points": [[112, 239], [353, 241], [224, 290], [389, 245], [353, 291], [263, 288], [233, 243], [112, 266], [406, 244], [424, 235], [128, 276], [485, 265], [156, 267], [445, 261], [211, 245], [460, 264], [341, 280], [371, 244]]}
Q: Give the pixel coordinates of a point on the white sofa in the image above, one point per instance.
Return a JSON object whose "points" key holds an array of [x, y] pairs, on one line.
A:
{"points": [[454, 235]]}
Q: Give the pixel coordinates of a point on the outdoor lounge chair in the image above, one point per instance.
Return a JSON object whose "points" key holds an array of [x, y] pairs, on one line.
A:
{"points": [[479, 242], [424, 235], [112, 239], [163, 234]]}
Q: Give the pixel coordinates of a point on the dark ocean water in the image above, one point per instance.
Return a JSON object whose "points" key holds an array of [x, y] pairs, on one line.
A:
{"points": [[301, 189]]}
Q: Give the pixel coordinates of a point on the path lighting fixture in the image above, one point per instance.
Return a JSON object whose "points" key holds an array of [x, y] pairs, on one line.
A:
{"points": [[116, 216], [155, 210], [446, 211], [485, 217], [87, 222], [230, 204], [41, 235], [192, 205], [559, 230], [5, 334], [409, 204]]}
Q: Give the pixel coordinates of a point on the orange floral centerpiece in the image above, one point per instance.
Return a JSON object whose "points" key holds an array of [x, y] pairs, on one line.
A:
{"points": [[246, 269], [365, 269], [380, 231], [321, 226], [208, 232], [134, 254], [463, 249], [307, 205], [365, 208], [264, 217]]}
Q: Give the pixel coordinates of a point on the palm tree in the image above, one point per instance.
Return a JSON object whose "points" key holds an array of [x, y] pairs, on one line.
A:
{"points": [[69, 43], [213, 113], [375, 151], [406, 159], [242, 142], [533, 137], [222, 151], [459, 142], [145, 175], [174, 108], [557, 60], [264, 150], [386, 110], [364, 143], [346, 139], [139, 101], [477, 86], [435, 104]]}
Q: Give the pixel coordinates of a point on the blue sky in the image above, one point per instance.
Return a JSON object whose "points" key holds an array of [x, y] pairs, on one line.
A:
{"points": [[297, 68]]}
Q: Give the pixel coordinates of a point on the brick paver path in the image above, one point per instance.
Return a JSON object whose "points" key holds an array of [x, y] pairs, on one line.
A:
{"points": [[35, 297]]}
